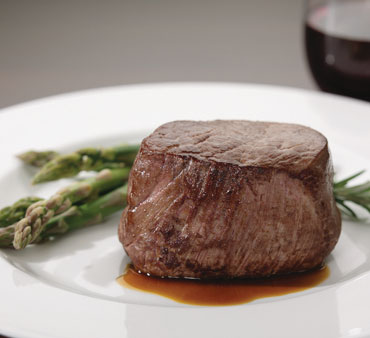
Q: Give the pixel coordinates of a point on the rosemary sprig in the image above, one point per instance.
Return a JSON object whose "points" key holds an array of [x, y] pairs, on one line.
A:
{"points": [[357, 194]]}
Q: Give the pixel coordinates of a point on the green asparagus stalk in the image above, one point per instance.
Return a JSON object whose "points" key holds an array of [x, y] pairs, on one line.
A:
{"points": [[16, 212], [75, 217], [86, 159], [37, 158], [86, 214], [39, 213], [7, 236]]}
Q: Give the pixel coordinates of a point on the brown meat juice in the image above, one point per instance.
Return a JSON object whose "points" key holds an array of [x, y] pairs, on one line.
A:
{"points": [[222, 292]]}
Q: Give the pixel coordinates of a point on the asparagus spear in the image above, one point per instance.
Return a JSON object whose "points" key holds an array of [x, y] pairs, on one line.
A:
{"points": [[37, 158], [74, 218], [7, 236], [86, 159], [16, 212], [39, 213], [86, 214]]}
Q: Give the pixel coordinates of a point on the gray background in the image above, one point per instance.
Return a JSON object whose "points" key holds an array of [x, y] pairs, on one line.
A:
{"points": [[49, 47]]}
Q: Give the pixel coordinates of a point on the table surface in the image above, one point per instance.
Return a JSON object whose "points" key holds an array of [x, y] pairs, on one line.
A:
{"points": [[52, 47]]}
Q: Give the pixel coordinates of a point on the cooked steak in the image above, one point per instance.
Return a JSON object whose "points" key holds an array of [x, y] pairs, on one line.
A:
{"points": [[224, 199]]}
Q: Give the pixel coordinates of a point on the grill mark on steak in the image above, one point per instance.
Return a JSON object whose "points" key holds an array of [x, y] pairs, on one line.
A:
{"points": [[197, 207]]}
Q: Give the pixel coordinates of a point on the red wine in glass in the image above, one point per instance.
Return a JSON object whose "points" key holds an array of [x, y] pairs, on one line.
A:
{"points": [[337, 37]]}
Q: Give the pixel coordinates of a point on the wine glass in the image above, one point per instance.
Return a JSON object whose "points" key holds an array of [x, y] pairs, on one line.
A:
{"points": [[337, 41]]}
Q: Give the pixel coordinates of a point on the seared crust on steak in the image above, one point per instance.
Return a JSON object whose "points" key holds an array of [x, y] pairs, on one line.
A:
{"points": [[224, 199]]}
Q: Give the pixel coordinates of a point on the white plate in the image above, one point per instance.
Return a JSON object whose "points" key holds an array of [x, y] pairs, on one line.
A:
{"points": [[68, 289]]}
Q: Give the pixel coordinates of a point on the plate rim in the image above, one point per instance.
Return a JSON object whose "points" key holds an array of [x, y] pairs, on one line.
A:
{"points": [[182, 85]]}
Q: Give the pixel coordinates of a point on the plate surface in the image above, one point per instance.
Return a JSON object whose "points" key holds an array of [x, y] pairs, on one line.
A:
{"points": [[67, 288]]}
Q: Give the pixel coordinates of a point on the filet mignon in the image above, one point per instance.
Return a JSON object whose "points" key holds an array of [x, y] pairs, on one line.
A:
{"points": [[224, 199]]}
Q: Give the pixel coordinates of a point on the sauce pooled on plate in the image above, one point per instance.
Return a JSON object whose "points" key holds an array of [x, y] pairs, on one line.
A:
{"points": [[222, 292]]}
